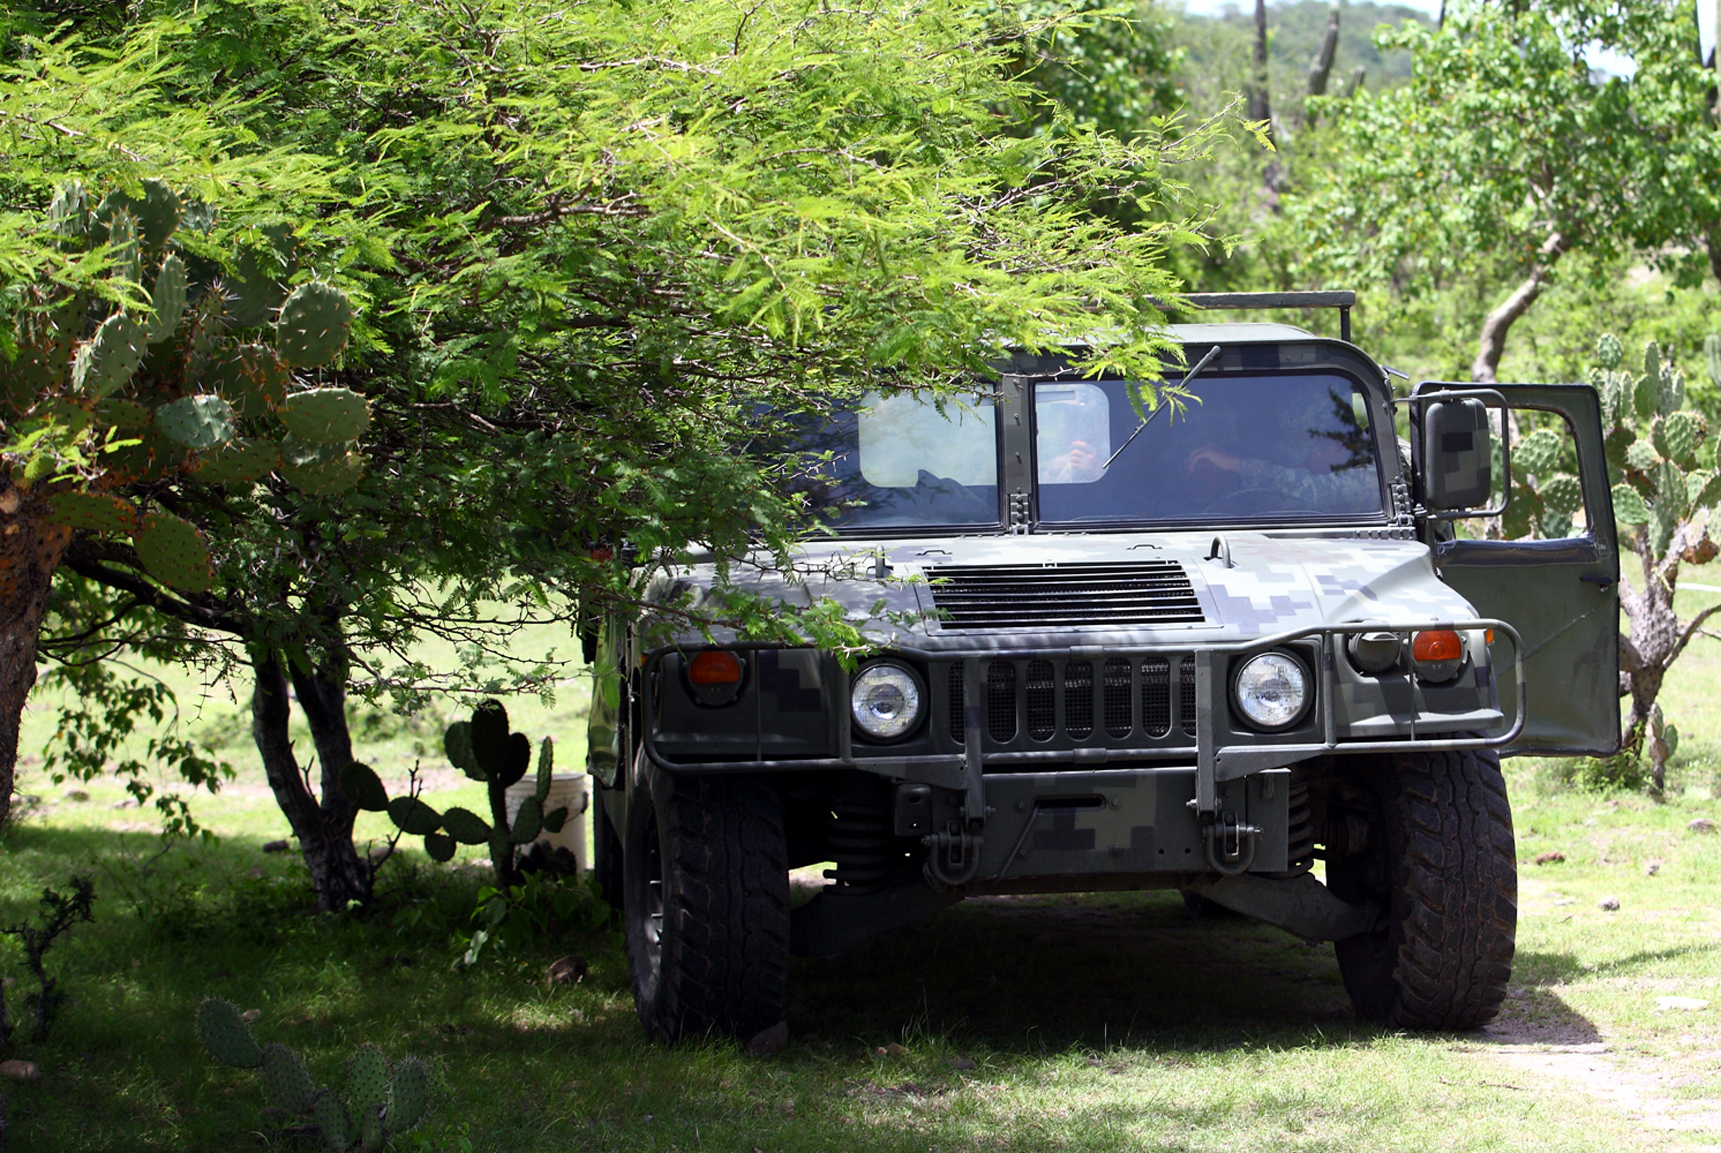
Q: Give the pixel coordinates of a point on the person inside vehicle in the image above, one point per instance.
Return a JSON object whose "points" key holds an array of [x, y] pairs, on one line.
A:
{"points": [[1332, 469]]}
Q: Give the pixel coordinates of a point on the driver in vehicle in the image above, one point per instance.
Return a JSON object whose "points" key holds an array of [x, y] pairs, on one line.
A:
{"points": [[1327, 472]]}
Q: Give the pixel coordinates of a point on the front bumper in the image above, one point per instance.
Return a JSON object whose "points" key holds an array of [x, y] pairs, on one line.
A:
{"points": [[967, 743]]}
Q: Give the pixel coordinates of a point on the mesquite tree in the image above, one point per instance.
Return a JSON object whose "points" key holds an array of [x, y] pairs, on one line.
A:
{"points": [[590, 243]]}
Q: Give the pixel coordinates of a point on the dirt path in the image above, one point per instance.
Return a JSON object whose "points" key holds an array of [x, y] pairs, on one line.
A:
{"points": [[1537, 1042]]}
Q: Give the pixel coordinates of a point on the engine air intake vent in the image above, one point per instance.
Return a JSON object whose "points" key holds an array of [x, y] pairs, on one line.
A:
{"points": [[1026, 596]]}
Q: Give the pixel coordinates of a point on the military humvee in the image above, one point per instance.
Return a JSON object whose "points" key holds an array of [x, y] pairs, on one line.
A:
{"points": [[1241, 651]]}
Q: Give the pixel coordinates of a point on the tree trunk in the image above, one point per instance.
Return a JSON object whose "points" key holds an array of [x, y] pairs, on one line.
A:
{"points": [[324, 827], [1491, 345], [30, 551], [1260, 106]]}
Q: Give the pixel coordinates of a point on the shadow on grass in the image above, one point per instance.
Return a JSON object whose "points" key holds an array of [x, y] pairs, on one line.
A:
{"points": [[1086, 1023], [1038, 974]]}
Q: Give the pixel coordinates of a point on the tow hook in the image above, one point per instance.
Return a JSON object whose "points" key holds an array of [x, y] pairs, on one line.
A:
{"points": [[955, 856], [1230, 844]]}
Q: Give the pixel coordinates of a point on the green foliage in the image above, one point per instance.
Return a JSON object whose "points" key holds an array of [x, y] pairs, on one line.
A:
{"points": [[1506, 159], [382, 1101], [540, 907]]}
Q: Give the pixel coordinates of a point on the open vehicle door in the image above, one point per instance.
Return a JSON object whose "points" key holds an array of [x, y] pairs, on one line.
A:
{"points": [[1561, 594]]}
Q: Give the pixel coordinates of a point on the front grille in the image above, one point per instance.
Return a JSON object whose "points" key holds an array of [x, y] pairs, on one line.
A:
{"points": [[1028, 703], [972, 597]]}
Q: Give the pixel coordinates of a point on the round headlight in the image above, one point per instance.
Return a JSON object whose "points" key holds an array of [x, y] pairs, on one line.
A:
{"points": [[885, 701], [1271, 690]]}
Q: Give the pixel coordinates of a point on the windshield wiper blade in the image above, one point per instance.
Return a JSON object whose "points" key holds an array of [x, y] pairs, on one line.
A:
{"points": [[1200, 365]]}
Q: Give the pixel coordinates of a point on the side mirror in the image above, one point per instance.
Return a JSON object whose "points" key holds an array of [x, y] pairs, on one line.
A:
{"points": [[1457, 455]]}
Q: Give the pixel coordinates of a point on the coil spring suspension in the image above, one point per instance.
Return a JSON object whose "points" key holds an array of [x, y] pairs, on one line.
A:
{"points": [[1300, 831], [858, 833]]}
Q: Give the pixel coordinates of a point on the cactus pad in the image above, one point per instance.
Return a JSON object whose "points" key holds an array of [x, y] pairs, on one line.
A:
{"points": [[367, 1082], [1641, 456], [546, 769], [519, 759], [489, 729], [465, 826], [1562, 494], [439, 847], [457, 746], [239, 461], [251, 377], [69, 211], [1681, 433], [409, 1093], [1536, 453], [1702, 489], [226, 1035], [92, 512], [333, 1121], [372, 1137], [555, 819], [315, 322], [202, 421], [125, 415], [110, 357], [528, 822], [413, 816], [1609, 351], [167, 299], [1670, 489], [1628, 506], [126, 249], [319, 469], [155, 213], [361, 786], [326, 415], [286, 1080], [173, 552]]}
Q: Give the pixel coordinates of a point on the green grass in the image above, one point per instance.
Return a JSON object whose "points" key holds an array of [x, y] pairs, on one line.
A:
{"points": [[1096, 1023]]}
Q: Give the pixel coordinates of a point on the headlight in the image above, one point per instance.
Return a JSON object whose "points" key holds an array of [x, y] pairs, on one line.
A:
{"points": [[885, 701], [1271, 690]]}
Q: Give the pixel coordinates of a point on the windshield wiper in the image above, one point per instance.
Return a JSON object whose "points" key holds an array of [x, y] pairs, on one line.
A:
{"points": [[1148, 419]]}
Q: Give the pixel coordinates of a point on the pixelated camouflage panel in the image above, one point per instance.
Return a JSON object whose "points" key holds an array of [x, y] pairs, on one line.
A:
{"points": [[1119, 821]]}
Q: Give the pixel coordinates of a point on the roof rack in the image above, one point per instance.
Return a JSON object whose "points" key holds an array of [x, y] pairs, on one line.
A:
{"points": [[1344, 301]]}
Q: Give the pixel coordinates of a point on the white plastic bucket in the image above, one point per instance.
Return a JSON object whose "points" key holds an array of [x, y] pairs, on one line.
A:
{"points": [[570, 789]]}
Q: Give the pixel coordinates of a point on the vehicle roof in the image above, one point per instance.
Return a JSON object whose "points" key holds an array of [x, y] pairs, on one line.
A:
{"points": [[1238, 332]]}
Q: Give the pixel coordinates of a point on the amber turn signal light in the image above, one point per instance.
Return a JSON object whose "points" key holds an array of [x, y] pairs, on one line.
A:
{"points": [[1438, 645], [715, 667]]}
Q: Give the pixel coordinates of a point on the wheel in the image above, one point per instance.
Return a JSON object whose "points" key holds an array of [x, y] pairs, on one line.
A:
{"points": [[606, 850], [705, 906], [1442, 862]]}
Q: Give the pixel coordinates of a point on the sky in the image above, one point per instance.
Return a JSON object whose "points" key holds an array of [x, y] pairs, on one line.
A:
{"points": [[1608, 61]]}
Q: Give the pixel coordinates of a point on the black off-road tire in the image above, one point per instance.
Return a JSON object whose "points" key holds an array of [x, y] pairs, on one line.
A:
{"points": [[1443, 863], [705, 904], [606, 850]]}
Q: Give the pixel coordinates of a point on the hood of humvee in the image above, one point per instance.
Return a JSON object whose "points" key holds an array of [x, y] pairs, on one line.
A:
{"points": [[1072, 590]]}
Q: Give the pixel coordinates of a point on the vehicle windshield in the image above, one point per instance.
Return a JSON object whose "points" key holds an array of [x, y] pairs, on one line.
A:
{"points": [[1294, 445], [903, 459]]}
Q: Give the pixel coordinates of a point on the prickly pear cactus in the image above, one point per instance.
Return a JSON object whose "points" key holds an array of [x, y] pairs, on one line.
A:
{"points": [[381, 1102], [1665, 490], [485, 749], [193, 380]]}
